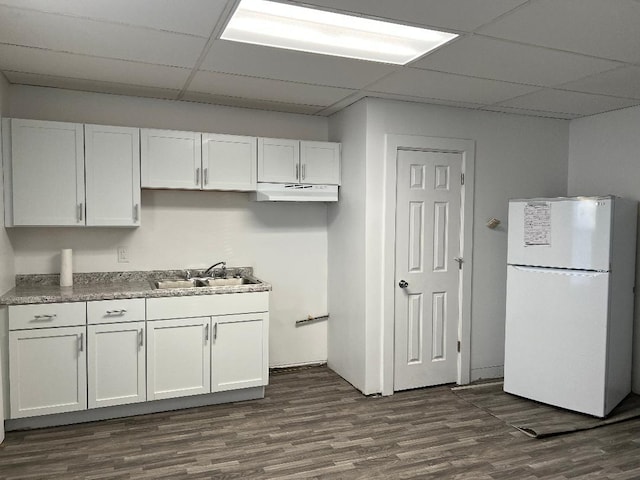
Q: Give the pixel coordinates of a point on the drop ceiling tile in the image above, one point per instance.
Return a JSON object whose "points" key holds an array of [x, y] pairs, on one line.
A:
{"points": [[457, 88], [279, 64], [577, 103], [461, 15], [251, 103], [195, 17], [89, 85], [430, 101], [47, 62], [622, 82], [530, 113], [512, 62], [264, 89], [89, 37], [607, 29]]}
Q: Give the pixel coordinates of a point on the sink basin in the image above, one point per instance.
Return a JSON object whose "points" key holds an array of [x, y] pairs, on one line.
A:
{"points": [[175, 283], [224, 282], [203, 282]]}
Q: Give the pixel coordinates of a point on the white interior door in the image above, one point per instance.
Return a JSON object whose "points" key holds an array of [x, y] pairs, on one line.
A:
{"points": [[427, 296]]}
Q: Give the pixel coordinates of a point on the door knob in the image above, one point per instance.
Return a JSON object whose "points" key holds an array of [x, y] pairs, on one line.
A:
{"points": [[403, 284]]}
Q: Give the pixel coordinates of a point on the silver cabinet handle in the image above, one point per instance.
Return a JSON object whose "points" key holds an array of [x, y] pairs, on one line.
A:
{"points": [[198, 176], [136, 212], [297, 172], [116, 312], [215, 331], [80, 211], [206, 332], [45, 317], [141, 337], [81, 342], [206, 176], [304, 171]]}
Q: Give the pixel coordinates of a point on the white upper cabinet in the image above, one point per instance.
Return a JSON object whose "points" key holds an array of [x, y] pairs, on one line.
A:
{"points": [[44, 173], [112, 163], [294, 161], [229, 162], [195, 161], [171, 159], [278, 160], [320, 162], [45, 168]]}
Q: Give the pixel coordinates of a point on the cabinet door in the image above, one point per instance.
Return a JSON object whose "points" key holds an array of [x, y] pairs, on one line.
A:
{"points": [[229, 162], [239, 351], [320, 163], [171, 159], [47, 173], [278, 160], [112, 162], [178, 361], [116, 365], [47, 371]]}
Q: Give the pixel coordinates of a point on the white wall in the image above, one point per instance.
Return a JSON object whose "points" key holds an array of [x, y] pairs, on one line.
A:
{"points": [[604, 159], [7, 276], [516, 156], [7, 272], [285, 243], [346, 231]]}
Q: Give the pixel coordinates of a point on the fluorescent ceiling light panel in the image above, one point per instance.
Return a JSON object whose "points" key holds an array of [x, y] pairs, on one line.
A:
{"points": [[282, 25]]}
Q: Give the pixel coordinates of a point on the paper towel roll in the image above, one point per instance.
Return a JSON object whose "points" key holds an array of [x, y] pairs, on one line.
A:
{"points": [[66, 267]]}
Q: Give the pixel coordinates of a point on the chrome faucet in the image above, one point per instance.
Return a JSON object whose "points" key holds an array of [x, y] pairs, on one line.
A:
{"points": [[210, 269]]}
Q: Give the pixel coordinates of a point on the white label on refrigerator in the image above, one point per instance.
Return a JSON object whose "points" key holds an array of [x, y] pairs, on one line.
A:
{"points": [[537, 223]]}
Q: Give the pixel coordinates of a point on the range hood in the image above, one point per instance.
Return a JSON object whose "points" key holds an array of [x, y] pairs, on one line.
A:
{"points": [[294, 192]]}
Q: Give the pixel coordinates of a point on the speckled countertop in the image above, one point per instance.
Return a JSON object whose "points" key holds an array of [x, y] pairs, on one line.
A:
{"points": [[46, 288]]}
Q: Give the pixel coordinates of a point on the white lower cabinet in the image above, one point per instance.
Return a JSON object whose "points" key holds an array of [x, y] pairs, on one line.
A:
{"points": [[66, 357], [116, 364], [47, 371], [238, 350], [178, 357], [116, 352], [216, 347]]}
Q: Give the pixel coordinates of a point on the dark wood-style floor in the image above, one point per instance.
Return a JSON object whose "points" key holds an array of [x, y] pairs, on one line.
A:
{"points": [[313, 424]]}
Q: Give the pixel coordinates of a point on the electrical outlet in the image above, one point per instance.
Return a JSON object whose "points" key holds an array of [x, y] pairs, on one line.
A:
{"points": [[123, 255]]}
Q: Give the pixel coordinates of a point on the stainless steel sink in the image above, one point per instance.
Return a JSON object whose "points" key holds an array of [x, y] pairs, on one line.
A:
{"points": [[224, 282], [203, 282], [175, 283]]}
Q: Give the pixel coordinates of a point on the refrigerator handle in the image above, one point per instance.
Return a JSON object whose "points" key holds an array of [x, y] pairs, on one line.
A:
{"points": [[560, 271]]}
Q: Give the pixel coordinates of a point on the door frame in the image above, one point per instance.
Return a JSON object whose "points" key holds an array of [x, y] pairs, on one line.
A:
{"points": [[466, 148]]}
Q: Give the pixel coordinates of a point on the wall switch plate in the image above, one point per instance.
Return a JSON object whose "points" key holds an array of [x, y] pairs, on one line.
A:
{"points": [[123, 255]]}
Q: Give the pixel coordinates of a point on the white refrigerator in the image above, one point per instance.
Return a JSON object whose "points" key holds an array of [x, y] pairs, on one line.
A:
{"points": [[570, 295]]}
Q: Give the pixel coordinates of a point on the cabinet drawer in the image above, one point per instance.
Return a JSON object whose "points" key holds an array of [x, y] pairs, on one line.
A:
{"points": [[115, 311], [46, 315]]}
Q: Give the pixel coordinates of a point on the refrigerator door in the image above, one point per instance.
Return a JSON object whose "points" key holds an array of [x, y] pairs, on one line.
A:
{"points": [[570, 233], [556, 337]]}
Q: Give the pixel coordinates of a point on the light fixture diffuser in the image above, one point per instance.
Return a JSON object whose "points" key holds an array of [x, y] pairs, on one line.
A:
{"points": [[282, 25]]}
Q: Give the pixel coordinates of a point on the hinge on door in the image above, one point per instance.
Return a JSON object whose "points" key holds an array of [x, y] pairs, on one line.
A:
{"points": [[462, 179], [458, 346]]}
